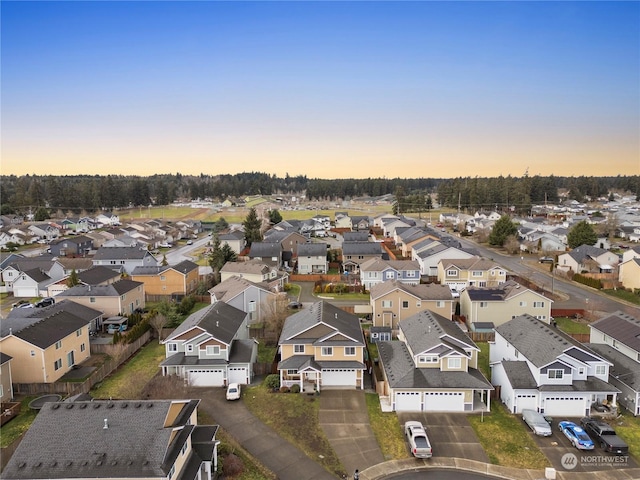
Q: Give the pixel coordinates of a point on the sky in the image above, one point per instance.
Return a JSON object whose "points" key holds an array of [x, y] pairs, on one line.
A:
{"points": [[326, 89]]}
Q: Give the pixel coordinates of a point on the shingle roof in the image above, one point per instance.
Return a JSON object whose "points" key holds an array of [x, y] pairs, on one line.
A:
{"points": [[585, 251], [624, 369], [255, 267], [519, 374], [355, 236], [427, 291], [624, 328], [361, 248], [114, 289], [233, 286], [265, 250], [502, 292], [97, 275], [312, 250], [222, 321], [120, 253], [379, 265]]}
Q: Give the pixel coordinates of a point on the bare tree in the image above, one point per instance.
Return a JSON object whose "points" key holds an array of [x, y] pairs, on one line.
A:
{"points": [[275, 312], [512, 245], [158, 322]]}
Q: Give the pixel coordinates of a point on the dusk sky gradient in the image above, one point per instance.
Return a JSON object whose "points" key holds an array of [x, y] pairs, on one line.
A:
{"points": [[324, 89]]}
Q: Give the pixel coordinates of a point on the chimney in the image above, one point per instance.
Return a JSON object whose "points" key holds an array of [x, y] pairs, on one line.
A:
{"points": [[106, 425]]}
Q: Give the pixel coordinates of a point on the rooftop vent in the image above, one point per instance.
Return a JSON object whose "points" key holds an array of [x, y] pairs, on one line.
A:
{"points": [[82, 406], [106, 424]]}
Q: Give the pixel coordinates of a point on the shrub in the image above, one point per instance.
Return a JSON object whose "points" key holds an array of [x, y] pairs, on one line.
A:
{"points": [[287, 287], [232, 465], [328, 288], [317, 289], [272, 381], [295, 388], [284, 389]]}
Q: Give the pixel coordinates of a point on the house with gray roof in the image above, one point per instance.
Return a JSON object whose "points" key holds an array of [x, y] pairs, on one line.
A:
{"points": [[541, 368], [211, 348], [428, 253], [118, 298], [257, 299], [358, 236], [71, 246], [312, 258], [270, 253], [124, 259], [235, 239], [432, 367], [322, 347], [123, 439], [586, 258], [376, 270], [355, 254], [617, 338], [40, 271], [257, 272]]}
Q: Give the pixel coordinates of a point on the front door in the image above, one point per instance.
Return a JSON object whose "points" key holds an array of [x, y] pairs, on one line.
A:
{"points": [[70, 359]]}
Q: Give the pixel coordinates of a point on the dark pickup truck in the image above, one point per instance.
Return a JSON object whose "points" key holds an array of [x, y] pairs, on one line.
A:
{"points": [[601, 433]]}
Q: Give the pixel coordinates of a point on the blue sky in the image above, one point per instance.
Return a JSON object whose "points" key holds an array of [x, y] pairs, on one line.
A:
{"points": [[326, 89]]}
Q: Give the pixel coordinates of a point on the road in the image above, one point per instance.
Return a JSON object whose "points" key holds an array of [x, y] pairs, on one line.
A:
{"points": [[176, 255]]}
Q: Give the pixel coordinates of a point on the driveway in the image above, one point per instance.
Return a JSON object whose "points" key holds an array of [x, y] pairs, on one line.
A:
{"points": [[450, 434], [344, 419]]}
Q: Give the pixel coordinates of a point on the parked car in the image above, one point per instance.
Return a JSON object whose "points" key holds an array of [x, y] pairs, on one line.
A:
{"points": [[576, 435], [294, 305], [546, 260], [418, 440], [45, 302], [536, 422], [164, 245], [189, 242], [605, 435], [233, 391]]}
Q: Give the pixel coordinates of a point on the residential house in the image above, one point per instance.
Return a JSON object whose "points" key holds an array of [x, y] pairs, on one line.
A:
{"points": [[432, 367], [6, 385], [376, 270], [44, 231], [74, 225], [428, 253], [542, 242], [460, 273], [616, 338], [45, 343], [355, 254], [389, 226], [31, 283], [629, 273], [108, 219], [358, 236], [360, 223], [16, 236], [235, 239], [256, 272], [90, 276], [343, 221], [312, 258], [211, 348], [124, 259], [586, 258], [289, 241], [123, 439], [322, 347], [179, 279], [254, 298], [393, 301], [79, 264], [541, 368], [11, 219], [119, 298], [71, 246], [268, 253], [136, 240], [42, 270]]}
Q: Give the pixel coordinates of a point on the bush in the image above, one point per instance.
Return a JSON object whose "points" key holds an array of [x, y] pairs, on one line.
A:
{"points": [[328, 288], [317, 289], [186, 304], [295, 388], [590, 282], [272, 381], [284, 389], [232, 465]]}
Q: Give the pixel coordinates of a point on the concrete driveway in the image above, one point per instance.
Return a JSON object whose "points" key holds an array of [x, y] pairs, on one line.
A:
{"points": [[450, 434], [344, 420]]}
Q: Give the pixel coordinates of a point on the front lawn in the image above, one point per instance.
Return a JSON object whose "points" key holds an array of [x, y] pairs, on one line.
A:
{"points": [[295, 417], [505, 440], [386, 429]]}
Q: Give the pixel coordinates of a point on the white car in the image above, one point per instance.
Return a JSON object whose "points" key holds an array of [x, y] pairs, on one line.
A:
{"points": [[419, 443], [233, 391]]}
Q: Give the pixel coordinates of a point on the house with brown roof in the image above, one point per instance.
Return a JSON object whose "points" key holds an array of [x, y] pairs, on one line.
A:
{"points": [[255, 271], [181, 279], [460, 273]]}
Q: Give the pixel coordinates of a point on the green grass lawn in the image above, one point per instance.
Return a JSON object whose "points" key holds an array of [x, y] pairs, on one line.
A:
{"points": [[624, 295], [266, 353], [568, 325], [386, 429], [294, 417], [628, 428], [15, 427], [505, 440], [345, 296], [293, 290], [483, 359]]}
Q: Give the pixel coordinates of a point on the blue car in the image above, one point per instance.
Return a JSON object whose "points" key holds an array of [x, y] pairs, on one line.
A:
{"points": [[576, 435]]}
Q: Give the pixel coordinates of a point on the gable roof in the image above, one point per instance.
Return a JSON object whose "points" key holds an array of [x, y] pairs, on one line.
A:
{"points": [[120, 253], [254, 267], [312, 250], [220, 320], [379, 265], [355, 236], [474, 263], [361, 248], [624, 328], [426, 291], [114, 289], [233, 286], [502, 292], [182, 268], [265, 250], [97, 274], [583, 252]]}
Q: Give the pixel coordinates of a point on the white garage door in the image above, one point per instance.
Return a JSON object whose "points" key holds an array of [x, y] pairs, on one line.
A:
{"points": [[25, 292], [338, 377], [569, 406], [444, 402], [238, 375], [206, 378], [408, 402], [527, 401]]}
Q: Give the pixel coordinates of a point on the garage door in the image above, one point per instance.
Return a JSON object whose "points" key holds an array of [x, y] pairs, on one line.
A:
{"points": [[526, 401], [569, 406], [238, 375], [24, 292], [338, 378], [206, 378], [408, 401], [444, 401]]}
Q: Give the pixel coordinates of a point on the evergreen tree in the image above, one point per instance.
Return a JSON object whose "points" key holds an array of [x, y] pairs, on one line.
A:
{"points": [[581, 234], [41, 214], [274, 216], [501, 230], [73, 279], [252, 225]]}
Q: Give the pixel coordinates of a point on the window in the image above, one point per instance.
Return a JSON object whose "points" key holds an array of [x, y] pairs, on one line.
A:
{"points": [[32, 353], [172, 347], [189, 348], [412, 274], [327, 351], [581, 371], [476, 273], [350, 351], [428, 359], [213, 350], [484, 304], [482, 283], [601, 370], [387, 303], [163, 278], [172, 472], [452, 273], [252, 306], [298, 349], [82, 347], [523, 304], [58, 344], [517, 354], [292, 372], [184, 448], [555, 373], [390, 275], [405, 304], [57, 364], [454, 363], [615, 343], [78, 332], [418, 304], [538, 304], [92, 299], [440, 304]]}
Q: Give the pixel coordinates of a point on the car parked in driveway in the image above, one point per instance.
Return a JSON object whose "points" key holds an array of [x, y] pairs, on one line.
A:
{"points": [[418, 440], [576, 435], [537, 422], [605, 435], [233, 391]]}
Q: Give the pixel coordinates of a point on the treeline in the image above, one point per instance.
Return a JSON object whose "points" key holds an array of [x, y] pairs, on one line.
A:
{"points": [[93, 193]]}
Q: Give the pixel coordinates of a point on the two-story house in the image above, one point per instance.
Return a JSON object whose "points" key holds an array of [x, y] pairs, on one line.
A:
{"points": [[629, 268], [312, 258], [44, 231], [428, 253], [269, 253], [180, 279], [45, 343], [356, 253], [254, 298], [393, 301], [124, 259], [617, 338], [432, 367], [376, 270], [499, 304], [460, 273], [586, 258], [289, 241], [43, 270], [211, 348], [123, 439], [235, 239], [71, 246], [119, 298], [322, 347], [541, 368], [255, 271]]}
